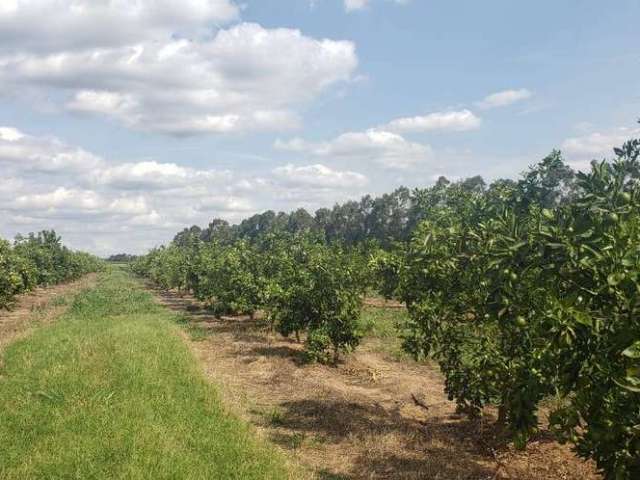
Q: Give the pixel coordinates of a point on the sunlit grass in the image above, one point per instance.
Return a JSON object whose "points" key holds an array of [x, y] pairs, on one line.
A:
{"points": [[111, 391], [383, 322], [385, 326]]}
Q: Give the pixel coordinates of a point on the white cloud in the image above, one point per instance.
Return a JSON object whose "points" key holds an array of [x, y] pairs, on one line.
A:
{"points": [[383, 147], [43, 154], [60, 198], [453, 121], [152, 218], [319, 176], [504, 98], [152, 175], [224, 203], [133, 206], [354, 5], [129, 206], [10, 188], [351, 5], [9, 134], [242, 78], [580, 150], [55, 25], [77, 202]]}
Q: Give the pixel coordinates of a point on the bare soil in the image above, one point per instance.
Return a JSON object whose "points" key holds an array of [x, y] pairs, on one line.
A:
{"points": [[41, 305], [360, 419]]}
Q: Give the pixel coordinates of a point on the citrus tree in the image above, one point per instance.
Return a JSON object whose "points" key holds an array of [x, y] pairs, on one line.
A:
{"points": [[385, 267], [321, 294], [11, 282], [230, 278], [593, 315], [39, 260], [518, 299]]}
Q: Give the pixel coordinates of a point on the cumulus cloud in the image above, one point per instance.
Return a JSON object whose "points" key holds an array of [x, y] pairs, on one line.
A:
{"points": [[445, 121], [89, 193], [319, 176], [77, 203], [386, 148], [134, 205], [504, 98], [152, 175], [60, 199], [580, 150], [44, 154], [164, 66], [85, 24]]}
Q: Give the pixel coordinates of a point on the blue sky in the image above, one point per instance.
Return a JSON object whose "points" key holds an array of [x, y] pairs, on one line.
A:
{"points": [[121, 122]]}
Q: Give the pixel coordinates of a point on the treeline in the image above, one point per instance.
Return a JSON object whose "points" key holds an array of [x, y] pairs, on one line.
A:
{"points": [[122, 258], [39, 260], [391, 217], [520, 290], [385, 219]]}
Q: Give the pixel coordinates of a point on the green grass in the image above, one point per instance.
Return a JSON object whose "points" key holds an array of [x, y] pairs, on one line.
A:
{"points": [[386, 325], [197, 333], [383, 322], [111, 391]]}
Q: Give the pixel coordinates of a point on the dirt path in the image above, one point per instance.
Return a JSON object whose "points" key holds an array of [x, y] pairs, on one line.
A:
{"points": [[40, 305], [359, 420]]}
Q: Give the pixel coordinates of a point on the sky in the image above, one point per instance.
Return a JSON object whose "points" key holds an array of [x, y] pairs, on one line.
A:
{"points": [[124, 121]]}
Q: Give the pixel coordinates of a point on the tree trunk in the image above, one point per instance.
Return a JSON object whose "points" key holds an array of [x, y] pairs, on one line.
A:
{"points": [[502, 415]]}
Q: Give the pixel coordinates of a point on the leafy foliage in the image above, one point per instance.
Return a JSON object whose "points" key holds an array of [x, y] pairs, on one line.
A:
{"points": [[385, 266], [39, 260], [536, 291], [320, 292], [230, 278], [302, 284]]}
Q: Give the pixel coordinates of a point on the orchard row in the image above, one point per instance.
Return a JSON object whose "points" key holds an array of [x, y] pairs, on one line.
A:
{"points": [[521, 291], [39, 260]]}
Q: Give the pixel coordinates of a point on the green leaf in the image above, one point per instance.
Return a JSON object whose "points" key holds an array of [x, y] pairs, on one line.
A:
{"points": [[583, 318], [634, 372], [631, 388], [633, 351], [629, 259], [614, 279]]}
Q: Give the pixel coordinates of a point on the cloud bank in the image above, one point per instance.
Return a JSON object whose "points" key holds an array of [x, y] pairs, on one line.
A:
{"points": [[106, 206], [167, 66]]}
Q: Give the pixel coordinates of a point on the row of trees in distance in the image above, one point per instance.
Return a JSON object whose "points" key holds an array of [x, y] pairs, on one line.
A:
{"points": [[39, 260]]}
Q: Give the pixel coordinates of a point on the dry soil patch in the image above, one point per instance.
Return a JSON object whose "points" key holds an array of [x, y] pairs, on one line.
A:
{"points": [[40, 305]]}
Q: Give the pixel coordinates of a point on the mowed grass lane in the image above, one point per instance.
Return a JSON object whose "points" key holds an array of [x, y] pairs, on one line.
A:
{"points": [[111, 391]]}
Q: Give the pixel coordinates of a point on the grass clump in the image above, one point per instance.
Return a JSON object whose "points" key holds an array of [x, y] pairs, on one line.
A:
{"points": [[111, 391], [383, 322], [198, 333], [386, 326]]}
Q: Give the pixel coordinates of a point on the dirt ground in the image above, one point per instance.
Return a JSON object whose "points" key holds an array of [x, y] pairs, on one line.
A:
{"points": [[358, 420], [38, 306]]}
